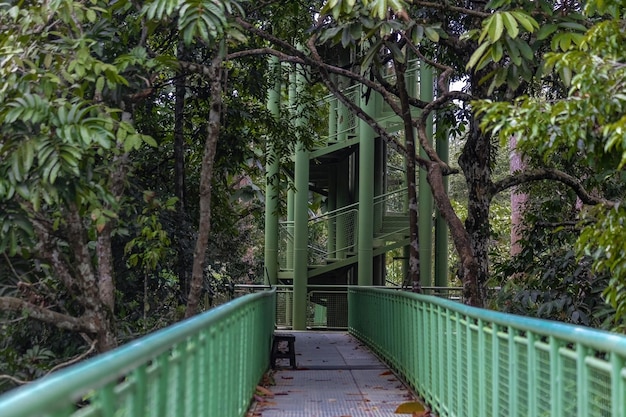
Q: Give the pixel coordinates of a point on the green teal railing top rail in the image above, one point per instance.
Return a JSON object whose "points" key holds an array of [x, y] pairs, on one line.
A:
{"points": [[473, 362], [208, 365]]}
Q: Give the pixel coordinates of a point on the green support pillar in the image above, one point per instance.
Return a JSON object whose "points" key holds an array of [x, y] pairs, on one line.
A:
{"points": [[289, 227], [441, 228], [331, 205], [343, 199], [425, 199], [271, 188], [301, 218], [366, 196]]}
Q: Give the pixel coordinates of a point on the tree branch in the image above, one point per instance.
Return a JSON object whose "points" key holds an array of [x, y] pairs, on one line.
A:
{"points": [[319, 65], [447, 7], [420, 125], [353, 106], [550, 174], [14, 379], [60, 320], [74, 359]]}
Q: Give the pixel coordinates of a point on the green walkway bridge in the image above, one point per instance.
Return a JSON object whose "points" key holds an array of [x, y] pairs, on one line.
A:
{"points": [[460, 360]]}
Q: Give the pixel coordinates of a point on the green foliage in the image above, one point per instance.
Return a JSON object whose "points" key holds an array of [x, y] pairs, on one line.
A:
{"points": [[197, 19], [152, 245], [604, 242], [586, 126]]}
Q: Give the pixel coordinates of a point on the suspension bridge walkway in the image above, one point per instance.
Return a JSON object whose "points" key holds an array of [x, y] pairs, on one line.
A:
{"points": [[459, 360]]}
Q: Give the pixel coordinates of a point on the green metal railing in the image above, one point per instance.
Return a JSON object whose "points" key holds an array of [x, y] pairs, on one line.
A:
{"points": [[208, 366], [472, 362]]}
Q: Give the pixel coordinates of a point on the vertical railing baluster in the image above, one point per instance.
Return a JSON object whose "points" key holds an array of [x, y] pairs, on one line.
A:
{"points": [[531, 361], [618, 387], [482, 365], [495, 369], [582, 381]]}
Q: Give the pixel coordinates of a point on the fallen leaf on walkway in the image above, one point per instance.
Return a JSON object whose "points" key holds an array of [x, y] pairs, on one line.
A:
{"points": [[386, 373], [414, 408], [286, 377], [264, 391]]}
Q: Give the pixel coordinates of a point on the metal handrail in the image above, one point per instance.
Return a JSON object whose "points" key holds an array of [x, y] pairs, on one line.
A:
{"points": [[207, 365], [466, 361]]}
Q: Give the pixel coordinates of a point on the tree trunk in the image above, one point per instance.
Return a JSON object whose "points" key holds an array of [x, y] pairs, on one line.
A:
{"points": [[206, 175], [461, 238], [409, 135], [179, 166], [475, 162], [518, 199]]}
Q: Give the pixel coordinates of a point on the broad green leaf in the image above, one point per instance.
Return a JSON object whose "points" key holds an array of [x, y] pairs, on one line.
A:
{"points": [[149, 140], [510, 24], [496, 52], [527, 21], [573, 25], [478, 53], [496, 28], [431, 33]]}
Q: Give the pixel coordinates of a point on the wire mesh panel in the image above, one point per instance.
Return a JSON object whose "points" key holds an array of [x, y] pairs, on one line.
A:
{"points": [[343, 221], [495, 364], [284, 307], [327, 309], [285, 245], [394, 202]]}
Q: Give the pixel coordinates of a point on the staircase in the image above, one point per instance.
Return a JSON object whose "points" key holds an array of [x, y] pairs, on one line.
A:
{"points": [[326, 266]]}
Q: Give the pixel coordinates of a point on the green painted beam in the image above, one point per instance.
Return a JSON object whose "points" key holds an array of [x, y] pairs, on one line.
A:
{"points": [[366, 194], [301, 218]]}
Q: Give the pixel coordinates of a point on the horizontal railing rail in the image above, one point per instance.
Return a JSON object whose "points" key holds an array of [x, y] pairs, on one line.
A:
{"points": [[208, 365], [472, 362], [393, 201]]}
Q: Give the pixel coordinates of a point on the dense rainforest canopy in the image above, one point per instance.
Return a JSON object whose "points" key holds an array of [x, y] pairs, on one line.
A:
{"points": [[133, 135]]}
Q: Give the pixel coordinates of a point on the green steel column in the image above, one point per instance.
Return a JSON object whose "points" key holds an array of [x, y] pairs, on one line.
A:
{"points": [[342, 224], [331, 205], [290, 215], [301, 233], [366, 196], [343, 124], [441, 228], [332, 120], [271, 188], [425, 199], [343, 199]]}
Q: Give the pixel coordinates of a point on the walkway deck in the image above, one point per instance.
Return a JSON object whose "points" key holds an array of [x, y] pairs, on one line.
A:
{"points": [[337, 376]]}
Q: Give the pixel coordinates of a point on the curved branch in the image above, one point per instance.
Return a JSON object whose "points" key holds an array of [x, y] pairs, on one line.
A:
{"points": [[447, 7], [550, 174], [442, 79], [75, 359], [307, 60], [60, 320], [264, 51], [420, 125], [352, 106]]}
